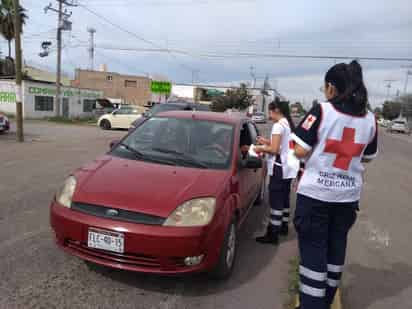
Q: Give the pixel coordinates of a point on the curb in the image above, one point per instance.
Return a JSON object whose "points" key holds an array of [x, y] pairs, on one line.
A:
{"points": [[337, 304]]}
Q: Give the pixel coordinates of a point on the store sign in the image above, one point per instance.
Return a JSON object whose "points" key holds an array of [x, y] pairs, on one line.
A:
{"points": [[7, 97], [161, 87], [65, 93]]}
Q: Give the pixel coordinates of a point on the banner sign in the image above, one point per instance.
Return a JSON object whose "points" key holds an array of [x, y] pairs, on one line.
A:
{"points": [[65, 93], [161, 87], [7, 97]]}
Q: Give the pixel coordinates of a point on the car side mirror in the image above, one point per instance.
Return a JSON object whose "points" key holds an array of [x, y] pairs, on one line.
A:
{"points": [[114, 143], [252, 162]]}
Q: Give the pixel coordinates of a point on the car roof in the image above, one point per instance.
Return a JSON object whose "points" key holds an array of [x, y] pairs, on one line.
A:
{"points": [[208, 116]]}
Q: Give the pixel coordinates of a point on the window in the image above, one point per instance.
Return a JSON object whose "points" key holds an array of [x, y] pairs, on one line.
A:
{"points": [[109, 78], [253, 132], [43, 104], [181, 142], [130, 84], [89, 106]]}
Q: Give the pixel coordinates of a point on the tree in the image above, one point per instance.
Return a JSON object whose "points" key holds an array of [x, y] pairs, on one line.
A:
{"points": [[391, 110], [237, 98], [7, 20], [377, 111]]}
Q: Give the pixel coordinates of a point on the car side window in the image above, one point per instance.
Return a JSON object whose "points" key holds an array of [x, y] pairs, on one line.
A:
{"points": [[253, 132]]}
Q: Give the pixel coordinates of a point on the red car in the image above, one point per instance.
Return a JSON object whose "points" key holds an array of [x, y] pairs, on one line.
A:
{"points": [[168, 198]]}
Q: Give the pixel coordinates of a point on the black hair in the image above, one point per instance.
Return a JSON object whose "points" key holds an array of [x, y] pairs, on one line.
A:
{"points": [[283, 107], [348, 80]]}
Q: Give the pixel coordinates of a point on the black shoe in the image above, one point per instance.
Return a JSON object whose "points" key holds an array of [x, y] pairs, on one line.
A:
{"points": [[269, 238], [284, 230]]}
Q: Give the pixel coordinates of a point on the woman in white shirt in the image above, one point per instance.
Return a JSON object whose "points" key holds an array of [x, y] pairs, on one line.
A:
{"points": [[277, 148]]}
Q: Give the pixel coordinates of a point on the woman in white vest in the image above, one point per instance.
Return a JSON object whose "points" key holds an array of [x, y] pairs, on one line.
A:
{"points": [[277, 148], [334, 138]]}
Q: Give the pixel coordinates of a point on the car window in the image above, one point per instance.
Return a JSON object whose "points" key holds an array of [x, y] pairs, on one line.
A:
{"points": [[186, 142], [159, 108], [123, 111], [253, 132], [400, 122]]}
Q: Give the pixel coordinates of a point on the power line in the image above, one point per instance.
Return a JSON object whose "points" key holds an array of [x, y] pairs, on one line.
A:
{"points": [[212, 54], [134, 35]]}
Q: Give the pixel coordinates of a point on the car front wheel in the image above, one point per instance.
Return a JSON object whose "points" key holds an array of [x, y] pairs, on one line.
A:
{"points": [[105, 124], [227, 258]]}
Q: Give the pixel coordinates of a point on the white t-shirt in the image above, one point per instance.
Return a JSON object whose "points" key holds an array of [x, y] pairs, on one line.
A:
{"points": [[281, 128]]}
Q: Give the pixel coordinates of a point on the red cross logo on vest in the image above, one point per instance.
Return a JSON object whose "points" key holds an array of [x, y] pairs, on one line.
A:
{"points": [[345, 150]]}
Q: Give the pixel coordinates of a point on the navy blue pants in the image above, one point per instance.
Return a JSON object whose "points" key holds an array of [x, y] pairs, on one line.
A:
{"points": [[279, 198], [322, 235]]}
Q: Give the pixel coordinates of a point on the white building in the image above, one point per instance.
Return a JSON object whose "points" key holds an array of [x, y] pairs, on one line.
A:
{"points": [[39, 100]]}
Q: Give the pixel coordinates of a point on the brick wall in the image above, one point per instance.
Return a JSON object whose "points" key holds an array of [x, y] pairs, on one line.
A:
{"points": [[133, 89]]}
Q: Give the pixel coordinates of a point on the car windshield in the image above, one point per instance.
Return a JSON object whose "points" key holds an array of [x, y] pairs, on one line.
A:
{"points": [[182, 142]]}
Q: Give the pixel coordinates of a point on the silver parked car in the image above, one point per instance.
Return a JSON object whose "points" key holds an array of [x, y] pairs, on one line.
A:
{"points": [[399, 126], [259, 117]]}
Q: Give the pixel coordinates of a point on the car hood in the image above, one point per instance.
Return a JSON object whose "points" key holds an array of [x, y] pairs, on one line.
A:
{"points": [[143, 187]]}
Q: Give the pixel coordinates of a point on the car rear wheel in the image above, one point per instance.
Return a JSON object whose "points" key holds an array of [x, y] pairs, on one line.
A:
{"points": [[105, 124], [227, 258]]}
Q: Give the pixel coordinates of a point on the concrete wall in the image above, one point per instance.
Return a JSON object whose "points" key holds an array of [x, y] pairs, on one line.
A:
{"points": [[114, 85]]}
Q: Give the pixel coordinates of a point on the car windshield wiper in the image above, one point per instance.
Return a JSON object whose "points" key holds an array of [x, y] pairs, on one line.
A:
{"points": [[181, 157], [145, 157], [136, 152]]}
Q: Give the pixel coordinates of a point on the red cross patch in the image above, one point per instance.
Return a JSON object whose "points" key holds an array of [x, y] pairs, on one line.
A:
{"points": [[308, 123], [345, 150]]}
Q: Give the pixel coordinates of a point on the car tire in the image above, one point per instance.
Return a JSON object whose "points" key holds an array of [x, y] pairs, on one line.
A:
{"points": [[227, 258], [105, 124]]}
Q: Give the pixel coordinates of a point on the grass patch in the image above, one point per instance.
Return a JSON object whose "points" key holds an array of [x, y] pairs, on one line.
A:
{"points": [[293, 285], [75, 121]]}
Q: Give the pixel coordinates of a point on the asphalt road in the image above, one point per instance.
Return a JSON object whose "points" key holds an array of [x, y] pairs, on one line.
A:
{"points": [[36, 274], [379, 265]]}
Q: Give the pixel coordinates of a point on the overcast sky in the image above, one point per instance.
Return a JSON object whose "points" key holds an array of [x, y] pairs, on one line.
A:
{"points": [[217, 27]]}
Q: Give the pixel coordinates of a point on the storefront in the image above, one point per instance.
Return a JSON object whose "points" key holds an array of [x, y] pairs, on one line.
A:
{"points": [[39, 100]]}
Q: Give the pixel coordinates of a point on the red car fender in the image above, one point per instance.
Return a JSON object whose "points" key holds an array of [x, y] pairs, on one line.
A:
{"points": [[223, 218]]}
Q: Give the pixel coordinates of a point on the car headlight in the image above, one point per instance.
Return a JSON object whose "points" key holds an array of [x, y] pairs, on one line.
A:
{"points": [[196, 212], [64, 196]]}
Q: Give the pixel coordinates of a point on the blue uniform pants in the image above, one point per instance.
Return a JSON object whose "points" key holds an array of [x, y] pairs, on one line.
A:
{"points": [[279, 198], [322, 235]]}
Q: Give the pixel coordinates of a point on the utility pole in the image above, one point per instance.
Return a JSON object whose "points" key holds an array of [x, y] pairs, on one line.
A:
{"points": [[19, 98], [92, 31], [389, 86], [408, 72], [252, 73], [63, 24]]}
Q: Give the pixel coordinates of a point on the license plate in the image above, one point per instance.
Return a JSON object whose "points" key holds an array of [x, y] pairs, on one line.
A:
{"points": [[106, 240]]}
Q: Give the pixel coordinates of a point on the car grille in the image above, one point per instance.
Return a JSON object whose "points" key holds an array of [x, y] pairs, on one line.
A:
{"points": [[122, 215], [125, 258]]}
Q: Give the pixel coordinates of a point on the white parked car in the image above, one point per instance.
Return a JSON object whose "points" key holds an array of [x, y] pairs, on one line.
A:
{"points": [[259, 117], [400, 126], [120, 118]]}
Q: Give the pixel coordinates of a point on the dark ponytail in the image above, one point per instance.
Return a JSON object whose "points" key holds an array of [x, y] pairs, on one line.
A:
{"points": [[348, 80], [283, 107]]}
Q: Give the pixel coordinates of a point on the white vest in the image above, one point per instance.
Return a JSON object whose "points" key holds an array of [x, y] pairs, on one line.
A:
{"points": [[333, 172], [287, 171]]}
